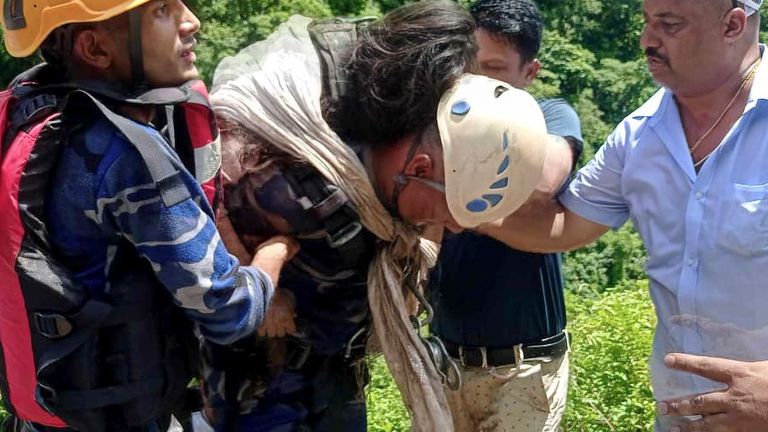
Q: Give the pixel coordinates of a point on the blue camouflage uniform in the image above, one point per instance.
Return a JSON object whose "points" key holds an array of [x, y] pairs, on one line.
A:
{"points": [[316, 382], [102, 195]]}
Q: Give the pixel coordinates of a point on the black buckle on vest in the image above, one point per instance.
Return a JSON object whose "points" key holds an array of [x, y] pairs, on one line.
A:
{"points": [[36, 106], [298, 356], [344, 234], [53, 326], [330, 204]]}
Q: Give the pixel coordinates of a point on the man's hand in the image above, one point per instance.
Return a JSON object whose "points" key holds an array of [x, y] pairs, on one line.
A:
{"points": [[742, 407], [281, 314], [272, 254]]}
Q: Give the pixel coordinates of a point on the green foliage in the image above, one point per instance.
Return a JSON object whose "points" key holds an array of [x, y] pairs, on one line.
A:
{"points": [[386, 411], [609, 386], [616, 257], [229, 26]]}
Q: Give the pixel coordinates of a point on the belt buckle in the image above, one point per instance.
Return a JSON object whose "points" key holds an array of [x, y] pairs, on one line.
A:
{"points": [[483, 355]]}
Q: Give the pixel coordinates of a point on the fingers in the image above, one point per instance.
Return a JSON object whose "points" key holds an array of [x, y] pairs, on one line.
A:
{"points": [[714, 368], [703, 404], [714, 423], [278, 323]]}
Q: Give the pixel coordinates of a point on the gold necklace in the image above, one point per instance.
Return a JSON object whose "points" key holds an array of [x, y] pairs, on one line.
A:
{"points": [[744, 82]]}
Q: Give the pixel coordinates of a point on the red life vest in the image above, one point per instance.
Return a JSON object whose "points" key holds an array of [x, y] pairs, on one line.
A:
{"points": [[49, 327], [202, 133]]}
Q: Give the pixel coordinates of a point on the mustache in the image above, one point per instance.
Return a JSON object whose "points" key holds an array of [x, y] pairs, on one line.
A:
{"points": [[190, 41], [653, 53]]}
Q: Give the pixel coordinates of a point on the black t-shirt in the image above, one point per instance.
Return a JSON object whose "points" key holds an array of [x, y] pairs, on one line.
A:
{"points": [[487, 294]]}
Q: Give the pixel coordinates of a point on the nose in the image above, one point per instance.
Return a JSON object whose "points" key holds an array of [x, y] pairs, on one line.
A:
{"points": [[648, 39], [190, 24]]}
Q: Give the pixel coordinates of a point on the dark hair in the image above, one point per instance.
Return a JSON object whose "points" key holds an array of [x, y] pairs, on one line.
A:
{"points": [[517, 21], [57, 48], [399, 69]]}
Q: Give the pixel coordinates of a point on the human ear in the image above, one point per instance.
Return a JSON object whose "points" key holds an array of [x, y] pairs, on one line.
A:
{"points": [[735, 24], [91, 47], [421, 165], [532, 71]]}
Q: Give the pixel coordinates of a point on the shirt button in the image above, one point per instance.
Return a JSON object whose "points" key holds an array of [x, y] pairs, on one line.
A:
{"points": [[690, 262], [699, 195]]}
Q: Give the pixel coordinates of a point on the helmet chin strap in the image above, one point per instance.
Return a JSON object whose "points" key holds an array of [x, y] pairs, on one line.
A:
{"points": [[136, 51]]}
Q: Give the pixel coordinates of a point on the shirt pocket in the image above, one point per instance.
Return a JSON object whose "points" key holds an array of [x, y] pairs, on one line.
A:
{"points": [[743, 227]]}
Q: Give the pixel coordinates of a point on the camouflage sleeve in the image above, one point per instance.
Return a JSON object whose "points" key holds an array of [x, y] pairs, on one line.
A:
{"points": [[184, 248]]}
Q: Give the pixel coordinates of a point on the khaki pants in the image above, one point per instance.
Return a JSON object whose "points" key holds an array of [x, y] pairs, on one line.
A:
{"points": [[501, 400]]}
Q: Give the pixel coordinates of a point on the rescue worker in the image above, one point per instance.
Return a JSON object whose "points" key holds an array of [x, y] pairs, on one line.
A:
{"points": [[112, 237], [399, 161]]}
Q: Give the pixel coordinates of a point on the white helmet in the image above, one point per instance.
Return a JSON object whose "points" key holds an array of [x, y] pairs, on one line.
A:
{"points": [[494, 146], [751, 6]]}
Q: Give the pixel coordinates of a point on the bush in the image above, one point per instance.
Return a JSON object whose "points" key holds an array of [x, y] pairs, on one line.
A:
{"points": [[386, 411], [609, 388], [614, 258]]}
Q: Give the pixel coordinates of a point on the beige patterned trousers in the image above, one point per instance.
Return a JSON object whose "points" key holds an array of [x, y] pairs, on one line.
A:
{"points": [[505, 399]]}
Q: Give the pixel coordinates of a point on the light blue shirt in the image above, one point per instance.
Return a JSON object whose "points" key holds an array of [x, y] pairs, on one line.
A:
{"points": [[706, 234]]}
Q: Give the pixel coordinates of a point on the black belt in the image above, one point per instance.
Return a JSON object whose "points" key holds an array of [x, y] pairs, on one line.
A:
{"points": [[485, 357]]}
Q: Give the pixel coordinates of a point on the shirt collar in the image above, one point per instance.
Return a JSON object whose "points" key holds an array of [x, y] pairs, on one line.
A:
{"points": [[760, 85]]}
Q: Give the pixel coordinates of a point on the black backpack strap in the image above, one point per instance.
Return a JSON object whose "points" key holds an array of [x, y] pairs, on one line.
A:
{"points": [[167, 177], [27, 109], [68, 333], [333, 40], [330, 205], [72, 334]]}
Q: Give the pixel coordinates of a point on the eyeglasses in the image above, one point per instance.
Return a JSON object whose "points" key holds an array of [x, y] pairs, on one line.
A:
{"points": [[440, 187]]}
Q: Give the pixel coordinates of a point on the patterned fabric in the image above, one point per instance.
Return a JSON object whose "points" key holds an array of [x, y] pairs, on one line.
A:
{"points": [[331, 299], [102, 199], [331, 306], [500, 400]]}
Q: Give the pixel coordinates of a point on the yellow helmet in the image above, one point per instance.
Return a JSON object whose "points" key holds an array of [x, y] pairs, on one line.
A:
{"points": [[26, 23]]}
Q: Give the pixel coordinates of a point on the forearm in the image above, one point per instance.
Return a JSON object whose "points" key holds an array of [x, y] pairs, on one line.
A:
{"points": [[558, 166], [231, 240], [227, 300], [557, 170], [547, 228], [532, 231]]}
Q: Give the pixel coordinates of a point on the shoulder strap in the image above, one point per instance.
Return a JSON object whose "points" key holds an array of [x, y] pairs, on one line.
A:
{"points": [[332, 208], [21, 108], [167, 177], [333, 40]]}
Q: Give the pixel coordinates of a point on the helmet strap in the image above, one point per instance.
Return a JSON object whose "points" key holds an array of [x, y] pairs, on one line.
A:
{"points": [[136, 51]]}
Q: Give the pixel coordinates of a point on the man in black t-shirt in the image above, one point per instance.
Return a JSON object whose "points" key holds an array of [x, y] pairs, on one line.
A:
{"points": [[501, 311]]}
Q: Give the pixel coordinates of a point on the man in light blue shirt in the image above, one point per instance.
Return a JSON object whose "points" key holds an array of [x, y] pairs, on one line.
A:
{"points": [[690, 168]]}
